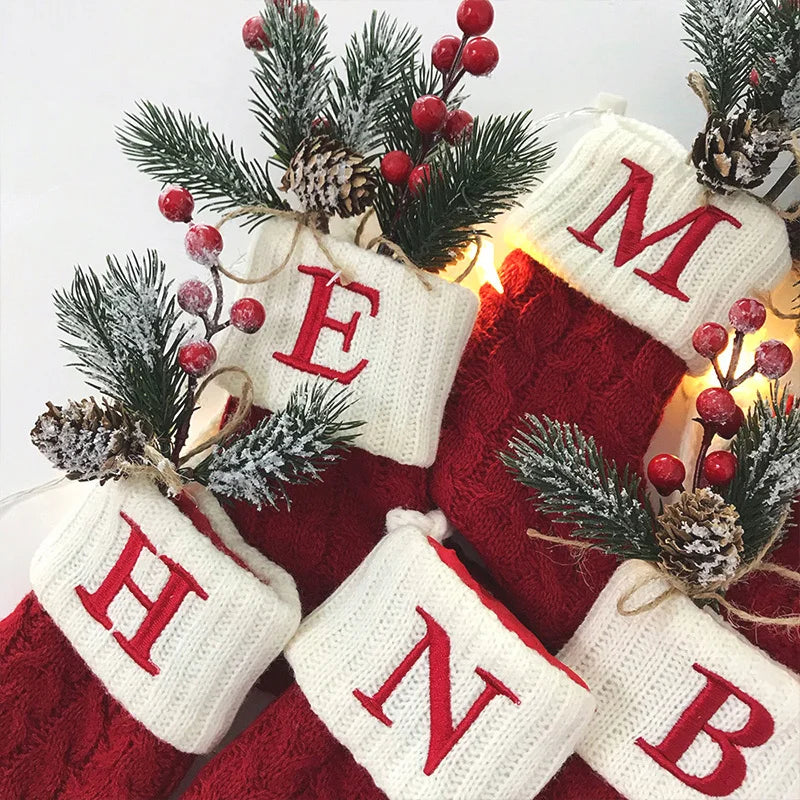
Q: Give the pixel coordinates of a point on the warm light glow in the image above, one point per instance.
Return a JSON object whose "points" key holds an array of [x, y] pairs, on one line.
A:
{"points": [[484, 270]]}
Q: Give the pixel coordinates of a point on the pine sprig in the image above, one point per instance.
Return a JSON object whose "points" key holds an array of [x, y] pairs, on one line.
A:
{"points": [[174, 147], [720, 34], [471, 184], [376, 64], [777, 47], [125, 334], [293, 446], [292, 77], [767, 480], [576, 485]]}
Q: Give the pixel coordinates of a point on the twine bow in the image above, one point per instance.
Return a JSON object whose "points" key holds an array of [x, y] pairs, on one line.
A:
{"points": [[676, 586]]}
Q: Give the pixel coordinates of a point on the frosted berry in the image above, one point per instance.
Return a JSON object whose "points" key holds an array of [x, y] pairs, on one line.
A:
{"points": [[248, 315], [730, 428], [443, 54], [666, 473], [475, 17], [710, 339], [254, 36], [176, 204], [457, 126], [719, 468], [194, 297], [716, 406], [773, 359], [429, 113], [480, 56], [204, 244], [302, 12], [396, 167], [196, 358], [420, 177], [747, 315]]}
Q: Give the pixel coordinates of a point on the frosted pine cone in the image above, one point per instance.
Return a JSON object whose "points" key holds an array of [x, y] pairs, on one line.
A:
{"points": [[89, 441], [736, 153], [329, 178], [700, 539]]}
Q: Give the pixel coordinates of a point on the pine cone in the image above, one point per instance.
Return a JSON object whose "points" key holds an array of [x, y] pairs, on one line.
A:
{"points": [[736, 153], [328, 177], [90, 441], [701, 540], [793, 228]]}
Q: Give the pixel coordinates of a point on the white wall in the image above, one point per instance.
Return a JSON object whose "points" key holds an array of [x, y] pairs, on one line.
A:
{"points": [[68, 196]]}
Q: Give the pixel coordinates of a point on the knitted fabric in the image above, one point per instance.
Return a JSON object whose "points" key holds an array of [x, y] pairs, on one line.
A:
{"points": [[395, 342], [487, 713], [624, 221], [332, 525], [237, 609], [664, 681]]}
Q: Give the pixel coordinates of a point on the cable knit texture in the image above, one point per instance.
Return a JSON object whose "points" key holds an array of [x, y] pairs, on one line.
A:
{"points": [[62, 735], [393, 341], [411, 596], [647, 670], [614, 262], [234, 612]]}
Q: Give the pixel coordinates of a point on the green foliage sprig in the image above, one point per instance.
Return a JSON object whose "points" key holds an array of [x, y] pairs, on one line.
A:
{"points": [[124, 331], [292, 446], [767, 480], [575, 484]]}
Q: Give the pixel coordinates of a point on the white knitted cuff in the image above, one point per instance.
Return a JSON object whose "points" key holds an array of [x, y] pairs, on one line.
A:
{"points": [[430, 683], [176, 626], [687, 708], [624, 221], [395, 343]]}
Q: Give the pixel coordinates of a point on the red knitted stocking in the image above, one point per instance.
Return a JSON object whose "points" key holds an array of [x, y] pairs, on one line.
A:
{"points": [[63, 735], [331, 525]]}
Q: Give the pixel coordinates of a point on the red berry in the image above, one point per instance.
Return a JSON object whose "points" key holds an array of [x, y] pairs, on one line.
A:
{"points": [[710, 339], [248, 315], [475, 17], [730, 428], [420, 177], [194, 297], [176, 204], [480, 56], [443, 54], [254, 36], [755, 78], [458, 125], [666, 473], [204, 244], [429, 113], [747, 315], [396, 166], [773, 359], [716, 405], [719, 468], [196, 358], [302, 10]]}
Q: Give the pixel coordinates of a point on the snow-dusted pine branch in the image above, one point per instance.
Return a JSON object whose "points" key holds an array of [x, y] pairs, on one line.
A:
{"points": [[293, 446], [576, 485]]}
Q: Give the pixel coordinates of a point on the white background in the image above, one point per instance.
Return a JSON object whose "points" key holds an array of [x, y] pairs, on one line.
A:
{"points": [[68, 196]]}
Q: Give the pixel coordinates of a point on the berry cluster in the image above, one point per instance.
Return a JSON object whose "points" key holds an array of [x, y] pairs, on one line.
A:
{"points": [[717, 410], [203, 245], [453, 56], [253, 34]]}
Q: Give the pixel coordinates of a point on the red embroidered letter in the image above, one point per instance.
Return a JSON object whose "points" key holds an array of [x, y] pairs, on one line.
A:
{"points": [[443, 735], [731, 771], [632, 242], [317, 318], [159, 611]]}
